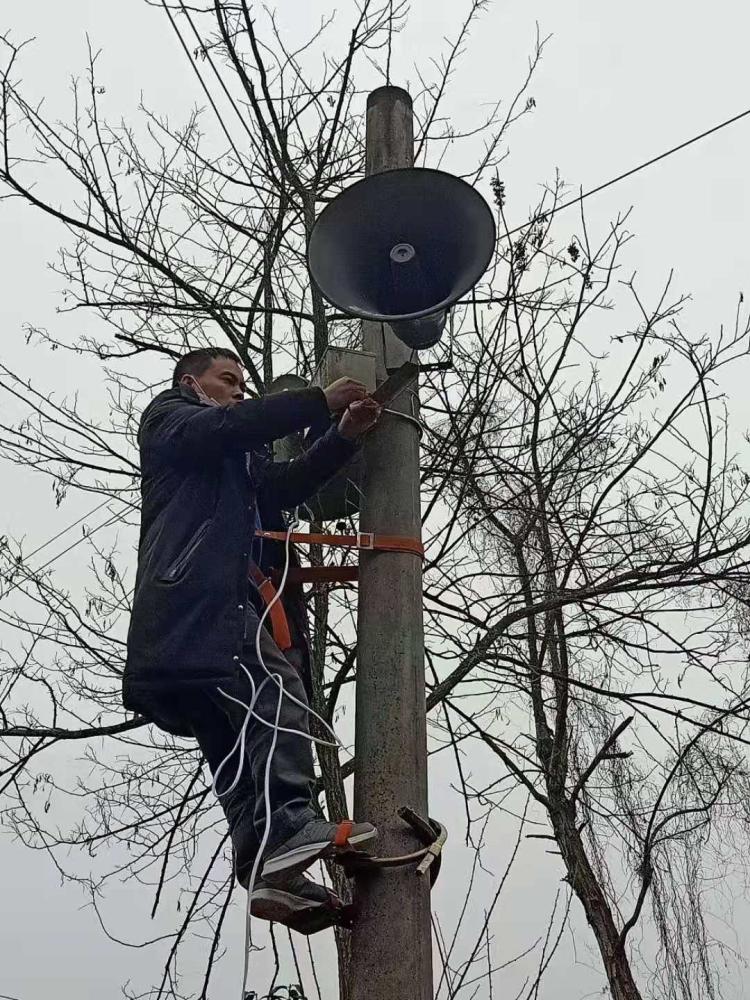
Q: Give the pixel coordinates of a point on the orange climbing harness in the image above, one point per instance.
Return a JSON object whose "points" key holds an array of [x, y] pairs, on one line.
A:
{"points": [[282, 636], [363, 540]]}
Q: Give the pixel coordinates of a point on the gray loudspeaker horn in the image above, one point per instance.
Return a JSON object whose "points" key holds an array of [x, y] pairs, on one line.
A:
{"points": [[401, 247]]}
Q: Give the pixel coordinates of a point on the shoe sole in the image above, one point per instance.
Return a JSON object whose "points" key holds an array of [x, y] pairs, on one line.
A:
{"points": [[300, 858], [292, 911]]}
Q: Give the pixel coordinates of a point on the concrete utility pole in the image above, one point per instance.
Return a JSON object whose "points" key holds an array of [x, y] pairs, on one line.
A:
{"points": [[391, 939]]}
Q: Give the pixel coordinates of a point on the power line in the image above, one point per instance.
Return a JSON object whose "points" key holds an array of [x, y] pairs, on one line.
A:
{"points": [[220, 119], [634, 170], [567, 204], [66, 530], [217, 74], [113, 519]]}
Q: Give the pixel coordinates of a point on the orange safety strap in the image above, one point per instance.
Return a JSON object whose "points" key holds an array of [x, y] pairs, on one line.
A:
{"points": [[362, 540], [317, 574], [279, 622], [343, 832]]}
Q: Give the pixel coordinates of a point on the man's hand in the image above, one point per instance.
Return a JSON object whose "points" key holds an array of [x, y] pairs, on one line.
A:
{"points": [[342, 392], [360, 416]]}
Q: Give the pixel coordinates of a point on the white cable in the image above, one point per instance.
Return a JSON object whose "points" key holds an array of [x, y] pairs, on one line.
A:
{"points": [[405, 416], [239, 743], [281, 729], [264, 841], [250, 709], [266, 611]]}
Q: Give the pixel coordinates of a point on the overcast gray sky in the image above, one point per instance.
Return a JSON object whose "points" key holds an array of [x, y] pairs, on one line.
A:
{"points": [[618, 84]]}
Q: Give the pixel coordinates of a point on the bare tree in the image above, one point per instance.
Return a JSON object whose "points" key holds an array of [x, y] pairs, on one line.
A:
{"points": [[580, 588], [178, 235], [585, 512]]}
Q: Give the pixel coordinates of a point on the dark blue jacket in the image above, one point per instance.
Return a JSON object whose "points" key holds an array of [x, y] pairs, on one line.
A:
{"points": [[197, 524]]}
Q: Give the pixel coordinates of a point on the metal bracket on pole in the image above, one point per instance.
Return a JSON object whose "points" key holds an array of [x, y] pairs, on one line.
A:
{"points": [[427, 859]]}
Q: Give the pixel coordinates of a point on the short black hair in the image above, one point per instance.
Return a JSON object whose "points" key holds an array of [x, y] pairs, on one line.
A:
{"points": [[198, 361]]}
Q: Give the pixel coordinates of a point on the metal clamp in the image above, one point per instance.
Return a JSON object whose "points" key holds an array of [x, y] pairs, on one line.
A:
{"points": [[427, 859]]}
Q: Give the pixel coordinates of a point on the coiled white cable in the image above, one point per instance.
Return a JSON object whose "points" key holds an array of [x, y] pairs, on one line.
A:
{"points": [[239, 744]]}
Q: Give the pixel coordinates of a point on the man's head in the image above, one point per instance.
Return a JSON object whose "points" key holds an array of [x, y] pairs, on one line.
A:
{"points": [[214, 372]]}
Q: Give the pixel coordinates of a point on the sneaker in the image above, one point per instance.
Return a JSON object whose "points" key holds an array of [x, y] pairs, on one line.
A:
{"points": [[298, 903], [315, 840]]}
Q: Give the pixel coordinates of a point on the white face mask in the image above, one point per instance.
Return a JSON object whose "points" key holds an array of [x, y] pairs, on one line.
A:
{"points": [[199, 390]]}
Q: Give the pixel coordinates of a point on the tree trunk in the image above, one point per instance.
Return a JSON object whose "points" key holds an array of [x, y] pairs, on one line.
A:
{"points": [[585, 884]]}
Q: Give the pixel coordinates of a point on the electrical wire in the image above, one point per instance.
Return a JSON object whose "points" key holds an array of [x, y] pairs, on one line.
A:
{"points": [[242, 118], [240, 744], [405, 416], [105, 524], [634, 170], [206, 91], [69, 528], [264, 840]]}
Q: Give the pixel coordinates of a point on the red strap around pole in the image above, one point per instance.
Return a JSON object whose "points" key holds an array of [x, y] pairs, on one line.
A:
{"points": [[317, 574], [363, 540]]}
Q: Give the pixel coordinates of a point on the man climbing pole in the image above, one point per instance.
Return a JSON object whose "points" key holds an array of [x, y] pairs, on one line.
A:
{"points": [[208, 485]]}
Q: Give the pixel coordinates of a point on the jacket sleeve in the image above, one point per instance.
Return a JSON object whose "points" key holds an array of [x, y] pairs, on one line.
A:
{"points": [[179, 430], [287, 484]]}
